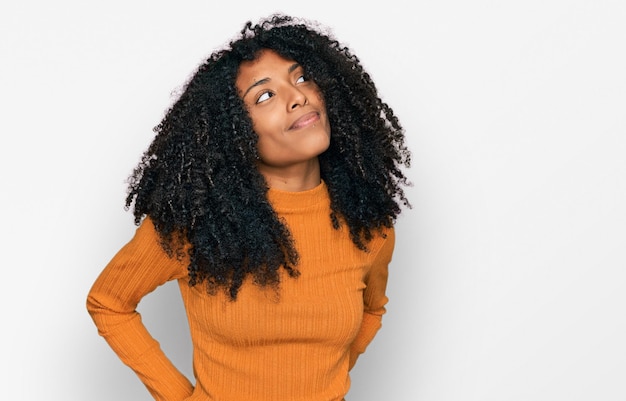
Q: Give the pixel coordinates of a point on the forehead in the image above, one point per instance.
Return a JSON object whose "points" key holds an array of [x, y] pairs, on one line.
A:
{"points": [[267, 64]]}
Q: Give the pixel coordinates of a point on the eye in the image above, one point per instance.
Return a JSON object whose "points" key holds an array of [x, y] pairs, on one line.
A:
{"points": [[301, 79], [264, 96]]}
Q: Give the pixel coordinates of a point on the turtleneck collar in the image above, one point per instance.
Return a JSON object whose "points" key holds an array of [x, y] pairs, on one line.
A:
{"points": [[285, 201]]}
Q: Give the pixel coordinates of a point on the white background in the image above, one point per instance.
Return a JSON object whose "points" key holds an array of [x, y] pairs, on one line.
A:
{"points": [[508, 278]]}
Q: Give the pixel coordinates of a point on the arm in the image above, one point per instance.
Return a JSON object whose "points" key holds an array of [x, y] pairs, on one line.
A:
{"points": [[136, 270], [374, 298]]}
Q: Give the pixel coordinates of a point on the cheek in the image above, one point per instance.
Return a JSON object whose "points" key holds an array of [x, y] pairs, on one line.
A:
{"points": [[267, 140], [266, 123]]}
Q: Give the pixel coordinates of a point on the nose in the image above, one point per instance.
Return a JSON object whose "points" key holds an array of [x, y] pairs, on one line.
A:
{"points": [[297, 99]]}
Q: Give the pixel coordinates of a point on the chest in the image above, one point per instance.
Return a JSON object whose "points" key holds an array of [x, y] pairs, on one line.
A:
{"points": [[323, 305]]}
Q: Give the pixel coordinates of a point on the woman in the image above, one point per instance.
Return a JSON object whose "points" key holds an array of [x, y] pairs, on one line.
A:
{"points": [[269, 193]]}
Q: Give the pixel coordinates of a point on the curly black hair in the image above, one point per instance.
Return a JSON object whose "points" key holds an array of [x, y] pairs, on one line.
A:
{"points": [[198, 180]]}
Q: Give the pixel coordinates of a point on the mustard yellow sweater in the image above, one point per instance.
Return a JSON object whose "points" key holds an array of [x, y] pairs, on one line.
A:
{"points": [[297, 344]]}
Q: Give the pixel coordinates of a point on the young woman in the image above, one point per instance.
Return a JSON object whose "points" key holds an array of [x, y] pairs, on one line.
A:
{"points": [[269, 193]]}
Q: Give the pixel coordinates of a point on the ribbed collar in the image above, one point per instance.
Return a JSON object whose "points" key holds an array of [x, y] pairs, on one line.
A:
{"points": [[287, 201]]}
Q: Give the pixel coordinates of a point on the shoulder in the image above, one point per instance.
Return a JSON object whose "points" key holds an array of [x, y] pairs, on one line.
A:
{"points": [[383, 243], [148, 246], [146, 234]]}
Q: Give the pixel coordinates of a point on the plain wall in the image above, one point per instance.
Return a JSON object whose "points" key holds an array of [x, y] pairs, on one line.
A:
{"points": [[508, 279]]}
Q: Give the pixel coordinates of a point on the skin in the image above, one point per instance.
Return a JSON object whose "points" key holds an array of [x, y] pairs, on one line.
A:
{"points": [[289, 116]]}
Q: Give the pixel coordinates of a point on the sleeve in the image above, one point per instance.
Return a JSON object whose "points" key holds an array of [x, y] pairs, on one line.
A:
{"points": [[374, 298], [136, 270]]}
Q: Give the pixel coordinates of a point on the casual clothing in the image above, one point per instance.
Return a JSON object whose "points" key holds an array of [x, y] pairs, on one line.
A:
{"points": [[294, 344]]}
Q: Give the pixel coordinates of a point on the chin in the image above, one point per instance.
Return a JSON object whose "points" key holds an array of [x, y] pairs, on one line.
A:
{"points": [[322, 145]]}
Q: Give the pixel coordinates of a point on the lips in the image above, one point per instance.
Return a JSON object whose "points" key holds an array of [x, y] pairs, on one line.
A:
{"points": [[305, 120]]}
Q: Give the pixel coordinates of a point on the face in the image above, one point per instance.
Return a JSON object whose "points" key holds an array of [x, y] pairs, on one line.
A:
{"points": [[287, 112]]}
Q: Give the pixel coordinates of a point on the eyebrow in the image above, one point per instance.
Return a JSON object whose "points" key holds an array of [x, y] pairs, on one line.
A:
{"points": [[263, 81]]}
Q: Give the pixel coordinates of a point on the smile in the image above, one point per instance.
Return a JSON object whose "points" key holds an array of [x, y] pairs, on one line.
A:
{"points": [[306, 120]]}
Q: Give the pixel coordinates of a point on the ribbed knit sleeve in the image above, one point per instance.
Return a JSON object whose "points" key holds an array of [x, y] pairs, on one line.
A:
{"points": [[374, 298], [136, 270]]}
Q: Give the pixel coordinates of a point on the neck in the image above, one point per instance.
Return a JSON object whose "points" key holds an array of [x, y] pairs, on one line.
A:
{"points": [[301, 177]]}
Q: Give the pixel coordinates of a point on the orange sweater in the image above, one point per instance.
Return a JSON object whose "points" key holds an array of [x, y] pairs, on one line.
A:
{"points": [[297, 344]]}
